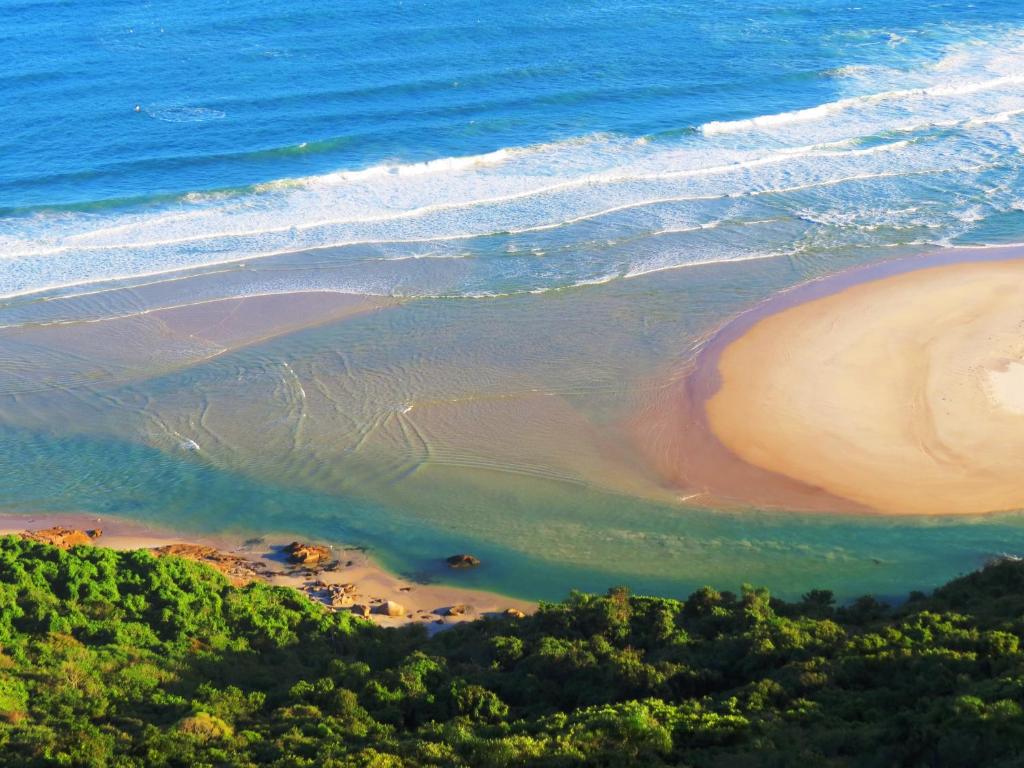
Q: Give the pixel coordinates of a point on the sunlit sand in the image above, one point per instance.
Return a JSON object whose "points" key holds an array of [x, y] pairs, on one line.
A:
{"points": [[904, 394]]}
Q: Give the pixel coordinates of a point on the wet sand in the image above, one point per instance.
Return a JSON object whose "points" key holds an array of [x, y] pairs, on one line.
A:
{"points": [[144, 341], [896, 389], [263, 558]]}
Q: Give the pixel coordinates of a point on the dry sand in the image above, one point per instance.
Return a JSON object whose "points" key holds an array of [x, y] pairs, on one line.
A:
{"points": [[426, 604], [903, 394]]}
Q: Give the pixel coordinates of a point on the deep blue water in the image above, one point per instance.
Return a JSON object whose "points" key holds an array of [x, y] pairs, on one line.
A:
{"points": [[239, 92], [234, 94]]}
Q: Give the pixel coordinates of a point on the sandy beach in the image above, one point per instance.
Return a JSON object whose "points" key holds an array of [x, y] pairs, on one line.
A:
{"points": [[264, 559], [901, 394]]}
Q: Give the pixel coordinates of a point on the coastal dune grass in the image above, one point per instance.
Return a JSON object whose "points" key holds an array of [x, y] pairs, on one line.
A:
{"points": [[125, 659]]}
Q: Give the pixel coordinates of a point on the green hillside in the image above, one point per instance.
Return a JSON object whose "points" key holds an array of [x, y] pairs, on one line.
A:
{"points": [[125, 659]]}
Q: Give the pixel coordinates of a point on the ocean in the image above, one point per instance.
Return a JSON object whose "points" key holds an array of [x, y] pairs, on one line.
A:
{"points": [[546, 209]]}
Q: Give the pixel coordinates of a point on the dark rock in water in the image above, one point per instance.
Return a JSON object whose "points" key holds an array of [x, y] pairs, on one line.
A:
{"points": [[463, 561], [307, 554]]}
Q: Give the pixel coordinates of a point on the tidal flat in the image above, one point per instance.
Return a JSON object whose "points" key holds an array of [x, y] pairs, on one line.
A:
{"points": [[516, 427]]}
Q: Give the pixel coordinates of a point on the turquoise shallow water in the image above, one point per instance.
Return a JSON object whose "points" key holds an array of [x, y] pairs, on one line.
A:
{"points": [[562, 199]]}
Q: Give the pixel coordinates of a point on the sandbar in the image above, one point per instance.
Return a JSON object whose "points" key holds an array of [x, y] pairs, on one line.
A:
{"points": [[901, 393]]}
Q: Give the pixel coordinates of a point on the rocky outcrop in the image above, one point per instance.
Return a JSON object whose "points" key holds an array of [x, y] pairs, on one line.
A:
{"points": [[341, 595], [391, 608], [62, 537], [458, 610], [361, 609], [514, 613], [342, 600], [239, 570], [307, 554], [463, 561]]}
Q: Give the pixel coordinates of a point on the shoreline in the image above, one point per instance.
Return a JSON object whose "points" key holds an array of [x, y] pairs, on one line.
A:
{"points": [[263, 558], [717, 440]]}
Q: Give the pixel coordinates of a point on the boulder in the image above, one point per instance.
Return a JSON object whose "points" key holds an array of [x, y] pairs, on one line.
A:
{"points": [[361, 609], [306, 554], [342, 600], [391, 608], [463, 561], [514, 613], [458, 610]]}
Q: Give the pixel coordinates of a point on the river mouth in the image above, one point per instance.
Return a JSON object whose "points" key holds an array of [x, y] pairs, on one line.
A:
{"points": [[504, 426]]}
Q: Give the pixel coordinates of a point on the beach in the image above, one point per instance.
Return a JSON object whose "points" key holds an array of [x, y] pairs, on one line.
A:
{"points": [[349, 570], [899, 393]]}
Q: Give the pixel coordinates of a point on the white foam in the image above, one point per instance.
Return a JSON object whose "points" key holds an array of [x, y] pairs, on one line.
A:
{"points": [[454, 226], [1006, 386], [822, 111], [185, 114]]}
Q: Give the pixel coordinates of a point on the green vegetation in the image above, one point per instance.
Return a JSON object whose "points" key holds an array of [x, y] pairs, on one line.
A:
{"points": [[124, 659]]}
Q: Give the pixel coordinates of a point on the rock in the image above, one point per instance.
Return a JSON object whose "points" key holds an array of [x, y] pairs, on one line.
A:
{"points": [[514, 613], [463, 561], [238, 569], [62, 537], [361, 609], [341, 595], [458, 610], [307, 554], [342, 600], [391, 608]]}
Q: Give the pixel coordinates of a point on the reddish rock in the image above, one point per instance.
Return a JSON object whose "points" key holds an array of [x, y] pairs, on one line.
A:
{"points": [[239, 570], [307, 554], [342, 600], [463, 561], [62, 537]]}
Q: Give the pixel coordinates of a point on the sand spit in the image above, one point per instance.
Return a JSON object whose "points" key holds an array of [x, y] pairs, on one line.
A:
{"points": [[896, 389], [346, 580]]}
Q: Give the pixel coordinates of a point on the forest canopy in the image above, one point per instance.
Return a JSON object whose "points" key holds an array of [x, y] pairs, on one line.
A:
{"points": [[126, 659]]}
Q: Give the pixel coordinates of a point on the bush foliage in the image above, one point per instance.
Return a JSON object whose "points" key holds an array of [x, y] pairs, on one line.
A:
{"points": [[124, 659]]}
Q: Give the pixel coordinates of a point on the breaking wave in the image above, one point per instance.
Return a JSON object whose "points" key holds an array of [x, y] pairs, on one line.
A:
{"points": [[943, 150]]}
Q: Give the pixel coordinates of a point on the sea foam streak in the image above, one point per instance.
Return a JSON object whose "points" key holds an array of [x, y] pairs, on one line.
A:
{"points": [[578, 211], [823, 111]]}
